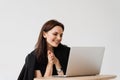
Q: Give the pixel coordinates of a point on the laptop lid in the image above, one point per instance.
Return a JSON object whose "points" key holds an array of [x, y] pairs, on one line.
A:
{"points": [[84, 61]]}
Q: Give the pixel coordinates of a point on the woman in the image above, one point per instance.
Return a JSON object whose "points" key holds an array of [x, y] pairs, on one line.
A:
{"points": [[50, 56]]}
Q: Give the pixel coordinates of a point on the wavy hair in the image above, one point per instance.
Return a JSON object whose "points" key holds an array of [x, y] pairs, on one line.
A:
{"points": [[41, 45]]}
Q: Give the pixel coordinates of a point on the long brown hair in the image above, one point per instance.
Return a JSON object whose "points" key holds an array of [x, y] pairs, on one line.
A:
{"points": [[41, 45]]}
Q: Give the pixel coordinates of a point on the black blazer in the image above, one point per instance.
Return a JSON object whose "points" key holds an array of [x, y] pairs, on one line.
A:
{"points": [[27, 72]]}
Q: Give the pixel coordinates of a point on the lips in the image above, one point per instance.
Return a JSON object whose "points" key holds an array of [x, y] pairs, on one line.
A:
{"points": [[57, 42]]}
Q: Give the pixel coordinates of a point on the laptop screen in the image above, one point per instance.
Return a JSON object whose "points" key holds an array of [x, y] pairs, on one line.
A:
{"points": [[85, 61]]}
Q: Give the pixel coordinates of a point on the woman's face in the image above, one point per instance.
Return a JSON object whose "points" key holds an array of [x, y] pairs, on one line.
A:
{"points": [[53, 36]]}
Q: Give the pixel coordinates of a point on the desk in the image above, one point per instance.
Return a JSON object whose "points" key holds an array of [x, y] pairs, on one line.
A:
{"points": [[97, 77]]}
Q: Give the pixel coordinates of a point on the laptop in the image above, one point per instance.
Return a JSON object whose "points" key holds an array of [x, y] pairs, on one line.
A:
{"points": [[84, 61]]}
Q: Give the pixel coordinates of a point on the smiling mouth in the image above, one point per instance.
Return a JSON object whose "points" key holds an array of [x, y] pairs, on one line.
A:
{"points": [[57, 42]]}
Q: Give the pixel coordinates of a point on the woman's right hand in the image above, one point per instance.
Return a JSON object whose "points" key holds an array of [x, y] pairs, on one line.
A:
{"points": [[50, 57], [49, 68]]}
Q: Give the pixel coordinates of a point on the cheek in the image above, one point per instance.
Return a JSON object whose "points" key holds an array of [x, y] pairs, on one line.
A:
{"points": [[50, 39]]}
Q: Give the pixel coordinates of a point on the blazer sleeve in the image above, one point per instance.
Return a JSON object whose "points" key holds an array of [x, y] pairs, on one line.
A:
{"points": [[21, 76], [27, 72]]}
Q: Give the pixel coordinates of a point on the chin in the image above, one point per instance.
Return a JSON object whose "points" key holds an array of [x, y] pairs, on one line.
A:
{"points": [[56, 45]]}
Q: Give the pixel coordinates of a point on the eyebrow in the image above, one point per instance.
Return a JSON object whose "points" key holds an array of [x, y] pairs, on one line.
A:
{"points": [[57, 32]]}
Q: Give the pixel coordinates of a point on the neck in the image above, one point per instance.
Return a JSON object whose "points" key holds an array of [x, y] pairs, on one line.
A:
{"points": [[50, 48]]}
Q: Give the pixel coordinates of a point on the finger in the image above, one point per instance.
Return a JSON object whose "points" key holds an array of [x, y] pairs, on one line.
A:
{"points": [[49, 52]]}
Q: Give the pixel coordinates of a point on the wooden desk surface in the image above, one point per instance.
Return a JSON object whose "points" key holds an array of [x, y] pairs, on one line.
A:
{"points": [[97, 77]]}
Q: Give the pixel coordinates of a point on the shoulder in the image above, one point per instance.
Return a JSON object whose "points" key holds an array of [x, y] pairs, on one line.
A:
{"points": [[63, 46], [31, 57], [62, 49], [31, 54]]}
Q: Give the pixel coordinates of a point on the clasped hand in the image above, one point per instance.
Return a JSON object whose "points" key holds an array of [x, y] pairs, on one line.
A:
{"points": [[52, 59]]}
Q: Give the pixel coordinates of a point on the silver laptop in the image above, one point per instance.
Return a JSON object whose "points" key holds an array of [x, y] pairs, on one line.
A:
{"points": [[84, 61]]}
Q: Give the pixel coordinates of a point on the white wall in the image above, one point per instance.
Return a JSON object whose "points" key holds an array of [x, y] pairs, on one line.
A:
{"points": [[87, 23]]}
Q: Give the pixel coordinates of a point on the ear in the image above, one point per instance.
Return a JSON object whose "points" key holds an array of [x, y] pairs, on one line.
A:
{"points": [[44, 34]]}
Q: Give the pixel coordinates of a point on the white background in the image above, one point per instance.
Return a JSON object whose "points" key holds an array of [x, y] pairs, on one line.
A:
{"points": [[87, 23]]}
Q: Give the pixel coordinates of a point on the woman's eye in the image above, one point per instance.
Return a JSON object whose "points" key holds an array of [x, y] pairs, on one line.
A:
{"points": [[61, 35], [55, 34]]}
